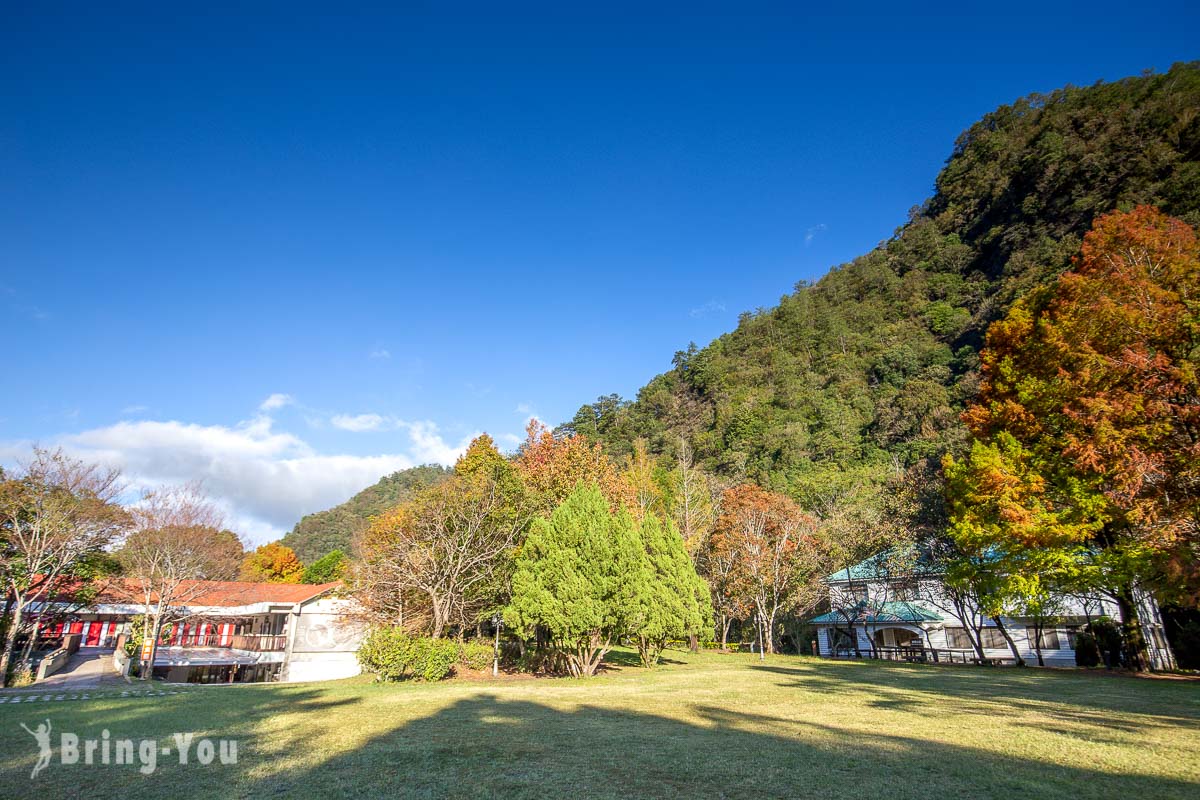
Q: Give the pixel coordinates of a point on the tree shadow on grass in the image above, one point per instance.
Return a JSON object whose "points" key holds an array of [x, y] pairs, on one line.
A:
{"points": [[926, 689], [630, 658], [217, 712], [484, 746]]}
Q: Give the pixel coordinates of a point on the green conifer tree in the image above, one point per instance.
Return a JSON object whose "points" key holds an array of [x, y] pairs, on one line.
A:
{"points": [[578, 577], [671, 600]]}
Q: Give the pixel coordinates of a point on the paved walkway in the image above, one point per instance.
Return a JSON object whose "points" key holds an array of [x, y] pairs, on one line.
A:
{"points": [[89, 668], [33, 696]]}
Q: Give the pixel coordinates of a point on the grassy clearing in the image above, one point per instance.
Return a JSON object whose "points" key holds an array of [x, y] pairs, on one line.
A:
{"points": [[702, 726]]}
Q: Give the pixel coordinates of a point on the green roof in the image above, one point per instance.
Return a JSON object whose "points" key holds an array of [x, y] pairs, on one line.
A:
{"points": [[882, 612], [887, 564]]}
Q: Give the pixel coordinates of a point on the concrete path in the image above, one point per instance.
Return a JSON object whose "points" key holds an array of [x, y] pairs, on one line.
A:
{"points": [[89, 668], [102, 693]]}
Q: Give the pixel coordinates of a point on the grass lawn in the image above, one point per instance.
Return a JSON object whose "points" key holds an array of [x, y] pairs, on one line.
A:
{"points": [[702, 726]]}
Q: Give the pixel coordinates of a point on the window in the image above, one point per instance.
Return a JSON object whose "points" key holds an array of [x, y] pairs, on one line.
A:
{"points": [[1072, 633], [992, 639], [1048, 640], [848, 595], [957, 639], [906, 589]]}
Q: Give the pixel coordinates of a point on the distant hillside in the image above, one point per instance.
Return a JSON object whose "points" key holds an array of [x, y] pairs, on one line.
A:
{"points": [[317, 534], [852, 379]]}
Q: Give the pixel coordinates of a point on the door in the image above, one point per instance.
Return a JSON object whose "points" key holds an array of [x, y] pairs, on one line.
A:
{"points": [[92, 637]]}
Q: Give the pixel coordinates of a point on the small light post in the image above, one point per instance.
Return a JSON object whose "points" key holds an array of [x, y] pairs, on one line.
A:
{"points": [[497, 623]]}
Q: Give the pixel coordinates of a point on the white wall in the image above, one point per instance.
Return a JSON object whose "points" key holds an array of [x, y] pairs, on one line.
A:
{"points": [[320, 667]]}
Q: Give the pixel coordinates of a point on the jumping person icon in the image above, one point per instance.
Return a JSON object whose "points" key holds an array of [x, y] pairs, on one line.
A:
{"points": [[42, 734]]}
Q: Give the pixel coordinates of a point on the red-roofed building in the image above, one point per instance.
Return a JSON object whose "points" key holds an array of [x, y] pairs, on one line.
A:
{"points": [[228, 631]]}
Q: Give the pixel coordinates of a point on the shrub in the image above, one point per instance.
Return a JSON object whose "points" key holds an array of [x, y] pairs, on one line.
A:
{"points": [[475, 655], [433, 659], [1186, 642], [1087, 653], [1107, 634], [21, 677], [391, 654]]}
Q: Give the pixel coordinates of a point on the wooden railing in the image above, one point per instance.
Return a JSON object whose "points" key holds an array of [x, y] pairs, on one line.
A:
{"points": [[253, 642], [259, 642], [920, 655]]}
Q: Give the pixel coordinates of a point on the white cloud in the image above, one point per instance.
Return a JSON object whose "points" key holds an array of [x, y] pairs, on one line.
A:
{"points": [[380, 352], [360, 423], [711, 307], [427, 443], [812, 232], [276, 401], [265, 479], [429, 447], [136, 409]]}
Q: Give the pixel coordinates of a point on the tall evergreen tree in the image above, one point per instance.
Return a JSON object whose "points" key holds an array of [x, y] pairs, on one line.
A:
{"points": [[671, 600], [578, 576]]}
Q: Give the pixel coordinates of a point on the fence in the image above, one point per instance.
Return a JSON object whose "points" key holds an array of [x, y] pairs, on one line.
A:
{"points": [[921, 655], [253, 642]]}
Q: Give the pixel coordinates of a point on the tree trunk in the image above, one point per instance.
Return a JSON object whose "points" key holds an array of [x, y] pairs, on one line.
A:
{"points": [[725, 621], [439, 621], [769, 622], [854, 639], [585, 658], [693, 643], [156, 631], [1011, 644], [30, 641], [1132, 639], [8, 607], [10, 642], [973, 631], [977, 641]]}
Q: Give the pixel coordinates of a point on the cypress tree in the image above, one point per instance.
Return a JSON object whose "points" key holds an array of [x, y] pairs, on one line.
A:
{"points": [[671, 600], [577, 576]]}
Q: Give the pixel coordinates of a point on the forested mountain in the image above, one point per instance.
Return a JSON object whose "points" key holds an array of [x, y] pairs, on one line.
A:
{"points": [[319, 533], [857, 377], [854, 378]]}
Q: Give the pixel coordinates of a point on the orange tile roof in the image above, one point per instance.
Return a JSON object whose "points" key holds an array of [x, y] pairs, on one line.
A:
{"points": [[209, 593]]}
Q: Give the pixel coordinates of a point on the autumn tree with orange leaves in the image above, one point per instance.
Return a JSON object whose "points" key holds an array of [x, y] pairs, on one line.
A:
{"points": [[553, 467], [767, 543], [1088, 420], [272, 563]]}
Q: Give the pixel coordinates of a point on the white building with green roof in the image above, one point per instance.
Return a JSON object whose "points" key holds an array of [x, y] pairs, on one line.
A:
{"points": [[896, 606]]}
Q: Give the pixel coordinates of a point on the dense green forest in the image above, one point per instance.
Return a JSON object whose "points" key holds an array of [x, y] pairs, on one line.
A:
{"points": [[857, 377], [333, 529]]}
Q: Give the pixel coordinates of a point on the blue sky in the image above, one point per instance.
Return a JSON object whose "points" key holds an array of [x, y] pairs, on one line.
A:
{"points": [[412, 226]]}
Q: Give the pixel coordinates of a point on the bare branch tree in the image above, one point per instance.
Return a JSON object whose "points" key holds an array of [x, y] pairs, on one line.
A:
{"points": [[443, 552], [177, 544], [55, 513]]}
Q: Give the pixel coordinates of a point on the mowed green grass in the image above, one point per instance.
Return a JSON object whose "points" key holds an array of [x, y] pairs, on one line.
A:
{"points": [[707, 725]]}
